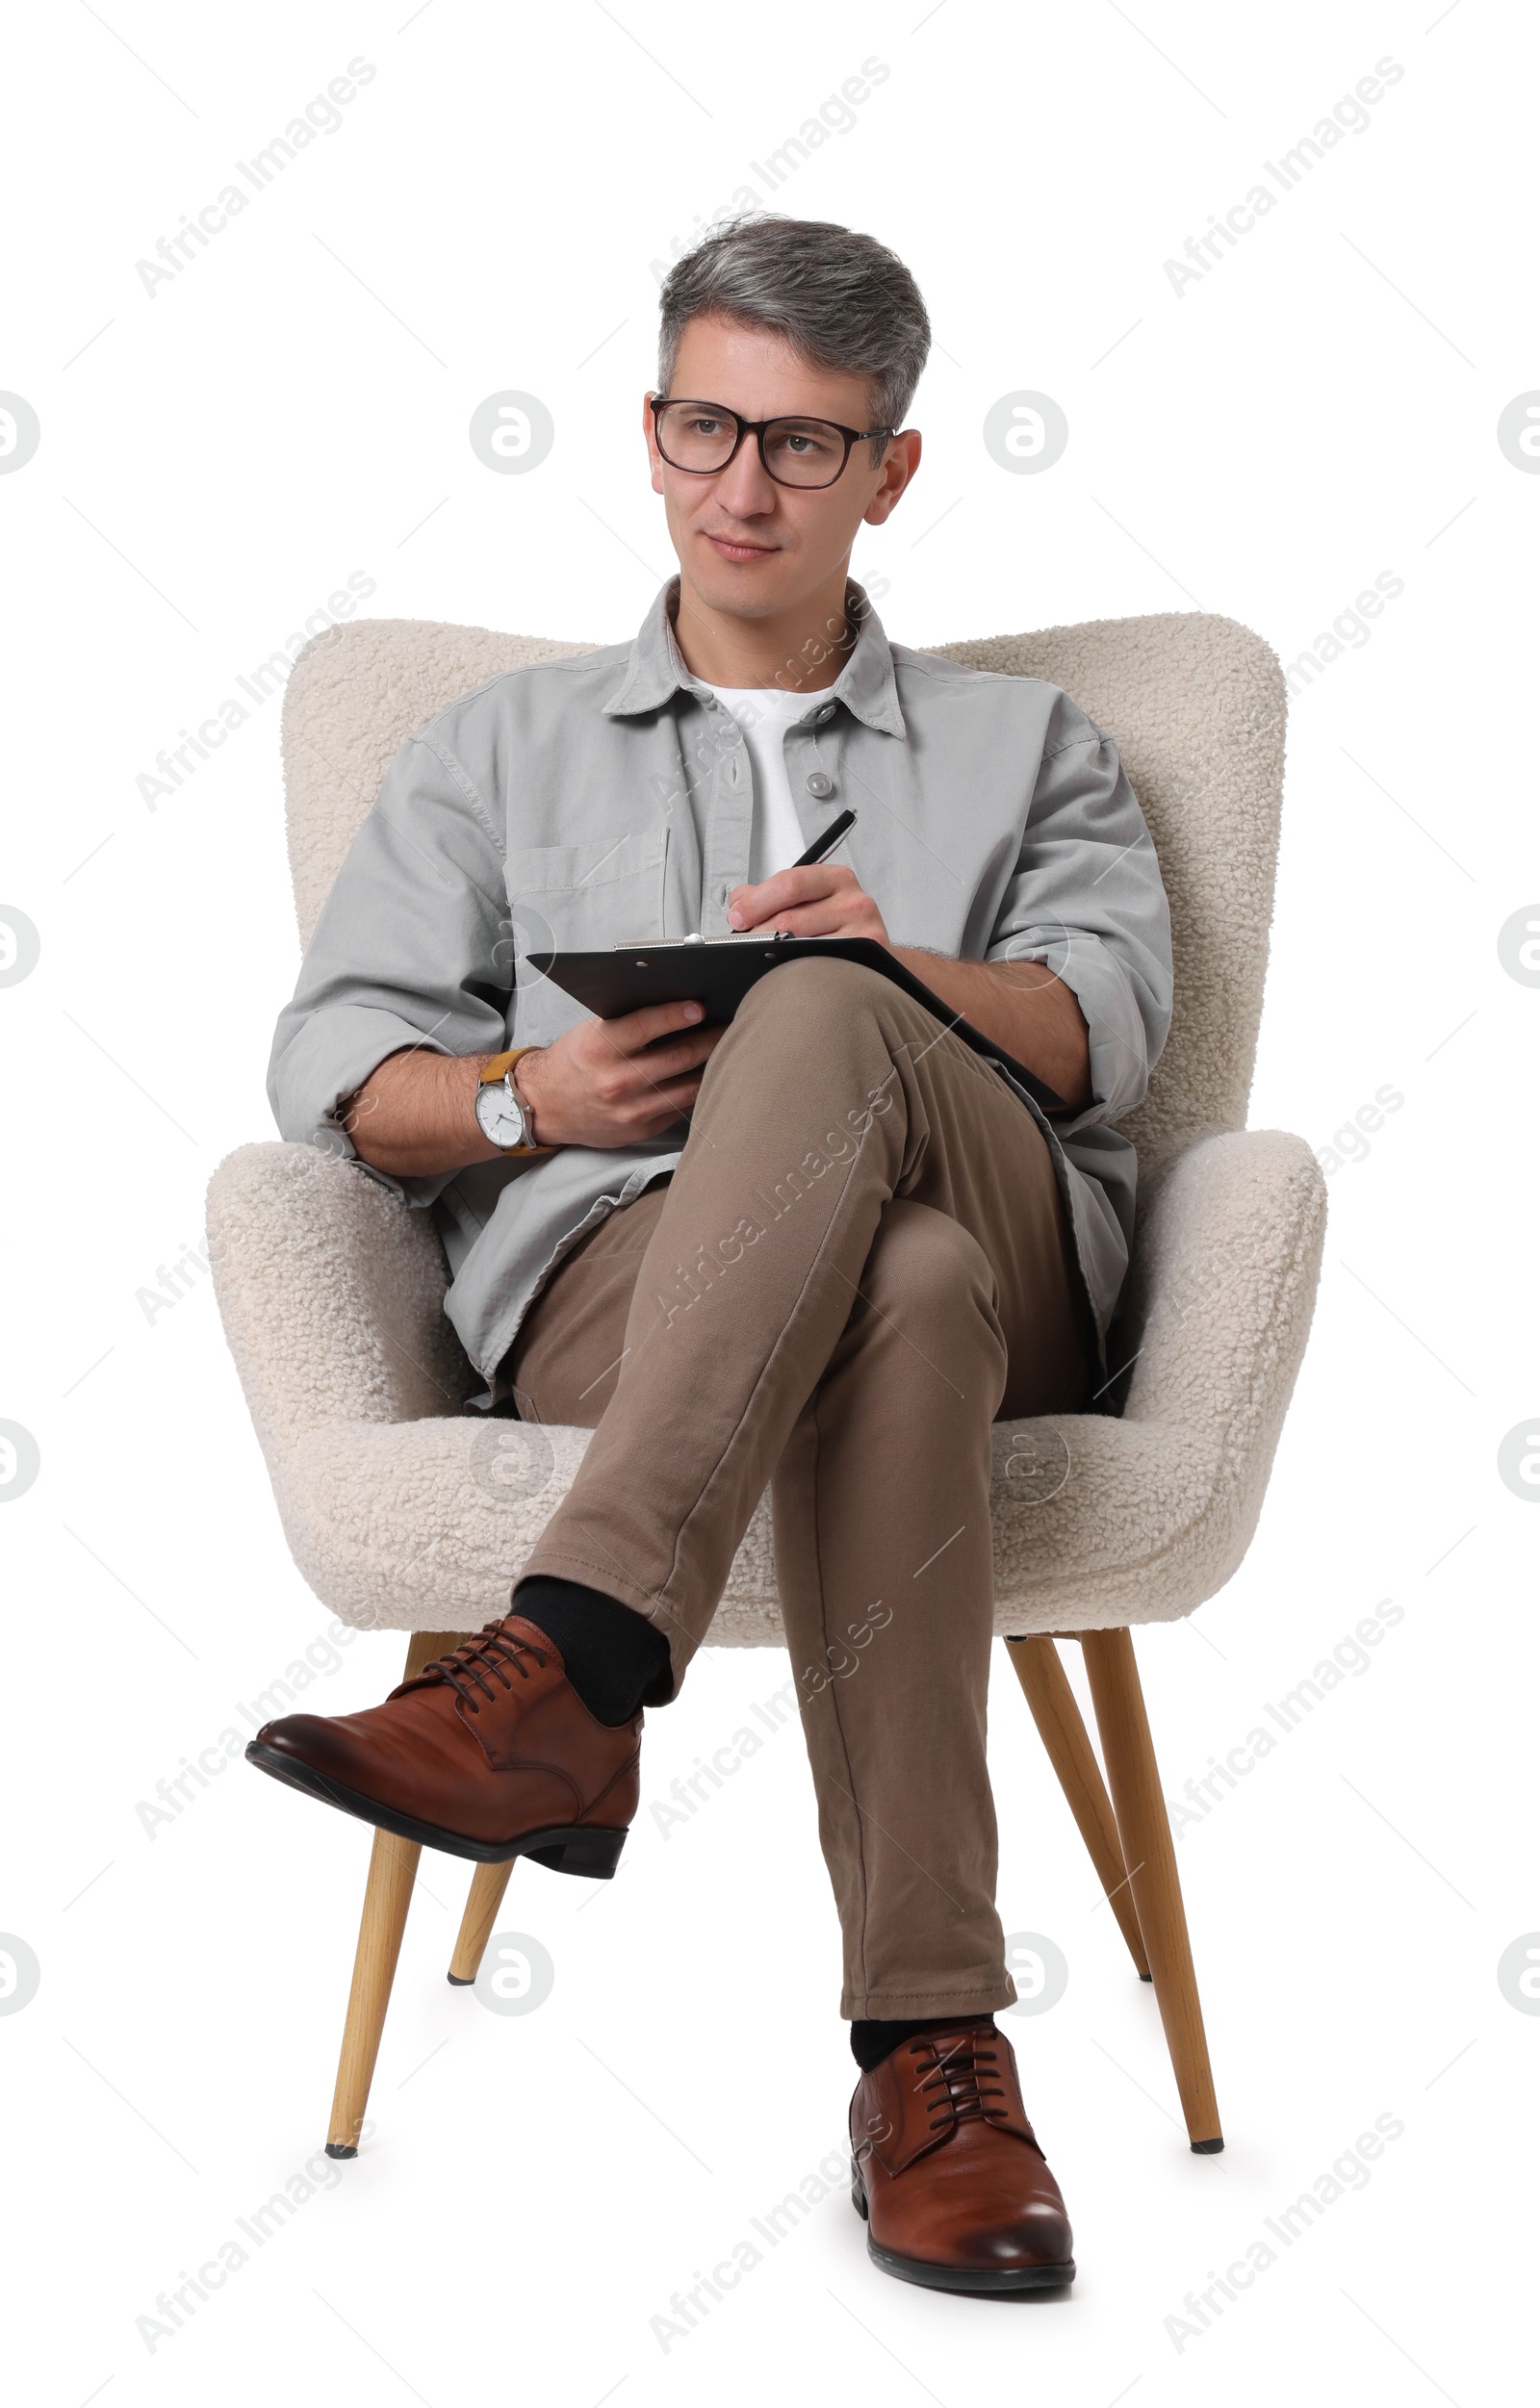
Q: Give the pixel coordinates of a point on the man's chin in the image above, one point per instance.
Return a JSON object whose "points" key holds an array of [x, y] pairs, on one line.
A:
{"points": [[750, 589]]}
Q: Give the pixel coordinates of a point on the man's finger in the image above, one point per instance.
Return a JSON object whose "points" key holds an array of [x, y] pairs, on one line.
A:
{"points": [[808, 919], [629, 1031], [788, 890], [791, 886], [673, 1057], [680, 1064]]}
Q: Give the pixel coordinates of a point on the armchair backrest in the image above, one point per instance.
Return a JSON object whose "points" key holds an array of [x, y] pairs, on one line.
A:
{"points": [[1196, 704]]}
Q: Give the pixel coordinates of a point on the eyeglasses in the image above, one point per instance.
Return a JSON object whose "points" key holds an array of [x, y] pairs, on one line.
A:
{"points": [[701, 437]]}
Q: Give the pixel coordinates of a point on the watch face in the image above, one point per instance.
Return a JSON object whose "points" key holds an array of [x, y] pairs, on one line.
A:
{"points": [[502, 1121]]}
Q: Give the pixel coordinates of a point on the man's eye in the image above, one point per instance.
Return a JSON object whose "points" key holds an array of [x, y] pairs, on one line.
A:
{"points": [[804, 443]]}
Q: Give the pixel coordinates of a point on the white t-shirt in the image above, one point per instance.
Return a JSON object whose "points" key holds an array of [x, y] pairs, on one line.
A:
{"points": [[764, 713]]}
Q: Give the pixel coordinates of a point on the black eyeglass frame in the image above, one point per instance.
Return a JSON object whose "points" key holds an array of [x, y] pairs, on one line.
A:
{"points": [[759, 428]]}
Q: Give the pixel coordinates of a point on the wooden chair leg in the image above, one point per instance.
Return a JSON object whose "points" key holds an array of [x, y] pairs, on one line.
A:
{"points": [[386, 1896], [1046, 1689], [1145, 1833], [487, 1887]]}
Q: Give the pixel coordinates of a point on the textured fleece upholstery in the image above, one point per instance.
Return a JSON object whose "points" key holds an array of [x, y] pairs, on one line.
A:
{"points": [[404, 1512]]}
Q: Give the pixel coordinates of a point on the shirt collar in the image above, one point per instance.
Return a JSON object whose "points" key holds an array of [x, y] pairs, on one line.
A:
{"points": [[655, 671]]}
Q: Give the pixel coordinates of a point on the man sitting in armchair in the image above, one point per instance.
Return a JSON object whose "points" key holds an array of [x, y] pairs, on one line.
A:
{"points": [[821, 1250]]}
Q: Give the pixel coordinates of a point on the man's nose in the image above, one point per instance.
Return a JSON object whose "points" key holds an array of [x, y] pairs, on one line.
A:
{"points": [[744, 487]]}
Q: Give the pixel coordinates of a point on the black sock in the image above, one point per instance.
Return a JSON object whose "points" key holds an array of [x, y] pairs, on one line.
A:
{"points": [[616, 1659], [871, 2042]]}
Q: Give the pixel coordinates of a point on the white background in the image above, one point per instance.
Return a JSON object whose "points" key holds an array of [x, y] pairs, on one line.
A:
{"points": [[215, 461]]}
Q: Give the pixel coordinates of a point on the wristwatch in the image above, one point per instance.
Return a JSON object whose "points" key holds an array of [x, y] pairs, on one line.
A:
{"points": [[503, 1118]]}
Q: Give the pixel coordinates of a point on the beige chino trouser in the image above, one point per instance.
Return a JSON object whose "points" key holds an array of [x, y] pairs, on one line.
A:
{"points": [[860, 1261]]}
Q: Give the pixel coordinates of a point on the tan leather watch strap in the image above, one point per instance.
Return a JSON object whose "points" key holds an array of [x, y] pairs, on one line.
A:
{"points": [[502, 1064]]}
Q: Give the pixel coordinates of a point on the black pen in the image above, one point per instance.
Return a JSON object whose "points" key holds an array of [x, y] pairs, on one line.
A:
{"points": [[827, 842]]}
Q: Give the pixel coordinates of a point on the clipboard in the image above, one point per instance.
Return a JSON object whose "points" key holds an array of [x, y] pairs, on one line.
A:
{"points": [[718, 972]]}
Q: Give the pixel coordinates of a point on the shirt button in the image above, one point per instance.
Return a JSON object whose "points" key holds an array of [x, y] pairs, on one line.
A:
{"points": [[820, 785], [827, 712]]}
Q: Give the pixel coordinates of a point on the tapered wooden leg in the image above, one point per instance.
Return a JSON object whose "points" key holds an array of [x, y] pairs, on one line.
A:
{"points": [[386, 1896], [1145, 1833], [487, 1887], [1046, 1688], [391, 1873]]}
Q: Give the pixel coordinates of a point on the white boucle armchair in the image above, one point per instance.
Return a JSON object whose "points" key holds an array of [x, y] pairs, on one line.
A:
{"points": [[403, 1510]]}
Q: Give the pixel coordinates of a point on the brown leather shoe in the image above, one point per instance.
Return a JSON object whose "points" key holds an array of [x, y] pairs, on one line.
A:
{"points": [[947, 2171], [489, 1754]]}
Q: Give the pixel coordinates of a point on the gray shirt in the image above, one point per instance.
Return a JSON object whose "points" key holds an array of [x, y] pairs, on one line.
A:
{"points": [[584, 802]]}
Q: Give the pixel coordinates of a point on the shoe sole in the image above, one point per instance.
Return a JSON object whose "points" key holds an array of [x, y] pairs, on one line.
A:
{"points": [[980, 2282], [592, 1853]]}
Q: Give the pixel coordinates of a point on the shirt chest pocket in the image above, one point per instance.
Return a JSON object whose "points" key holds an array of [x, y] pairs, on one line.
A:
{"points": [[583, 896], [580, 898]]}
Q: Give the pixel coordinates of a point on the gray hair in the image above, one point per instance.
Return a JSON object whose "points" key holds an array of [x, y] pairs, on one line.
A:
{"points": [[842, 300]]}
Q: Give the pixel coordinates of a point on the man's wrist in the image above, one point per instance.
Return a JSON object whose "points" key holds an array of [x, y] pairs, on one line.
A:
{"points": [[520, 1091]]}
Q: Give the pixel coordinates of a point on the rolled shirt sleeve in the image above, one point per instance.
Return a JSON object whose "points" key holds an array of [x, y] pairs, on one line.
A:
{"points": [[1087, 898], [411, 950]]}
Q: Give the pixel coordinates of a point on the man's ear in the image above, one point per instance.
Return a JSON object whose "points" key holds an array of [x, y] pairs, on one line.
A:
{"points": [[899, 464], [650, 437]]}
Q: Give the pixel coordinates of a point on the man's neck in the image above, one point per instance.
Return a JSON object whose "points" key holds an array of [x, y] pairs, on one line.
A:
{"points": [[800, 651]]}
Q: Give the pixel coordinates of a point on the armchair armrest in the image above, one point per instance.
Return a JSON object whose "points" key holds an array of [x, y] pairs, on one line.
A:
{"points": [[1222, 1287], [1100, 1519], [331, 1292]]}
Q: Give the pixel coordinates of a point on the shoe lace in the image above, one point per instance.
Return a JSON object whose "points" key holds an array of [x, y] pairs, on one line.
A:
{"points": [[492, 1652], [961, 2081]]}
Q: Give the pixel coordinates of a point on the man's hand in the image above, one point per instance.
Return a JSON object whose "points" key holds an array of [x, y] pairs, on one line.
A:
{"points": [[823, 901], [605, 1083], [618, 1082]]}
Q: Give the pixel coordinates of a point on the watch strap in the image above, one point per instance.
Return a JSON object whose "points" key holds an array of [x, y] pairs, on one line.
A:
{"points": [[499, 1065]]}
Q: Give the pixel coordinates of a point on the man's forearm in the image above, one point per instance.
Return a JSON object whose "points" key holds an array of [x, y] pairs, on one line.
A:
{"points": [[415, 1114], [1023, 1006], [605, 1083]]}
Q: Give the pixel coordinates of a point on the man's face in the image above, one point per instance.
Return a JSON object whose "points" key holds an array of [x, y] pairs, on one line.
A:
{"points": [[747, 545]]}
